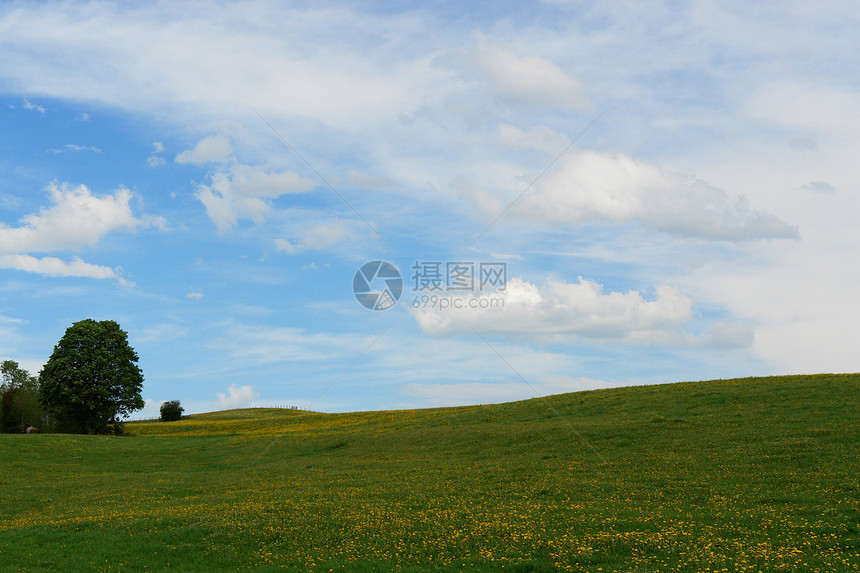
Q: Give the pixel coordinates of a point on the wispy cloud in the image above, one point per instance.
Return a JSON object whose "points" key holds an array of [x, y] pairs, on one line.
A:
{"points": [[54, 267], [318, 238], [33, 107], [72, 147]]}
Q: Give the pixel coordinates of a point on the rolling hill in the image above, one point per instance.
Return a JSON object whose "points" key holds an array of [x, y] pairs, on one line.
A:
{"points": [[756, 474]]}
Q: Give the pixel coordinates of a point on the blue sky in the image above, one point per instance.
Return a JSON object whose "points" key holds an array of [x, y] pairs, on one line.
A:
{"points": [[677, 186]]}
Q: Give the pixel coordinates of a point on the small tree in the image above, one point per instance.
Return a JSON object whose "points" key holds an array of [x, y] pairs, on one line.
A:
{"points": [[92, 379], [171, 411]]}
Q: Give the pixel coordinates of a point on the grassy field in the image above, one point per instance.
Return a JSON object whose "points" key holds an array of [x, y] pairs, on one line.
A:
{"points": [[758, 474]]}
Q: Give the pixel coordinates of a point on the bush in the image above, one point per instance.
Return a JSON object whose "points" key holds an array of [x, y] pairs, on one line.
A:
{"points": [[171, 411]]}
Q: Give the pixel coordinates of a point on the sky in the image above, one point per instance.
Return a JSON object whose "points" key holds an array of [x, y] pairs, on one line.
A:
{"points": [[572, 195]]}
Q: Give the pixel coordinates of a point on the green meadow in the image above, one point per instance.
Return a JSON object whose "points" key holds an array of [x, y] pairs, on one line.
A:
{"points": [[756, 474]]}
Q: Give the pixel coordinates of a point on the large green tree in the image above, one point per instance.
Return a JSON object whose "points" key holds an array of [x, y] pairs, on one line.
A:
{"points": [[92, 378]]}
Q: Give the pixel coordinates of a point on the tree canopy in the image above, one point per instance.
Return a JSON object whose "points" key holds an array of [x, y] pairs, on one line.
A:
{"points": [[92, 378], [19, 403]]}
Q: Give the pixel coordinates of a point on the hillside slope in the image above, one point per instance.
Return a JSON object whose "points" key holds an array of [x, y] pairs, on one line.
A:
{"points": [[757, 474]]}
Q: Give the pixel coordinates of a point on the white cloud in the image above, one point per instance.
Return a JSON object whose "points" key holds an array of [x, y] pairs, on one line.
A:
{"points": [[155, 161], [800, 105], [72, 147], [318, 238], [727, 335], [236, 397], [226, 209], [594, 186], [194, 295], [54, 267], [506, 256], [515, 79], [211, 149], [691, 91], [76, 219], [151, 410], [803, 143], [363, 180], [10, 335], [259, 182], [158, 147], [223, 62], [166, 332], [562, 311], [539, 137], [33, 107], [242, 192], [253, 345]]}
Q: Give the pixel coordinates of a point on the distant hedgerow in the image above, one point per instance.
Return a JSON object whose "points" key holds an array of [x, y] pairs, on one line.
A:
{"points": [[171, 411]]}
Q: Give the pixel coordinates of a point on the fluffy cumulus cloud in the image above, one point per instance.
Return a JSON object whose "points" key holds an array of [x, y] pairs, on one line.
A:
{"points": [[562, 311], [236, 397], [236, 191], [76, 219], [209, 150], [243, 193], [225, 208], [593, 187]]}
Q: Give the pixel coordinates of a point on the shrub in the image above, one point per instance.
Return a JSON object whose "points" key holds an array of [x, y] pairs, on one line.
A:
{"points": [[171, 411]]}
